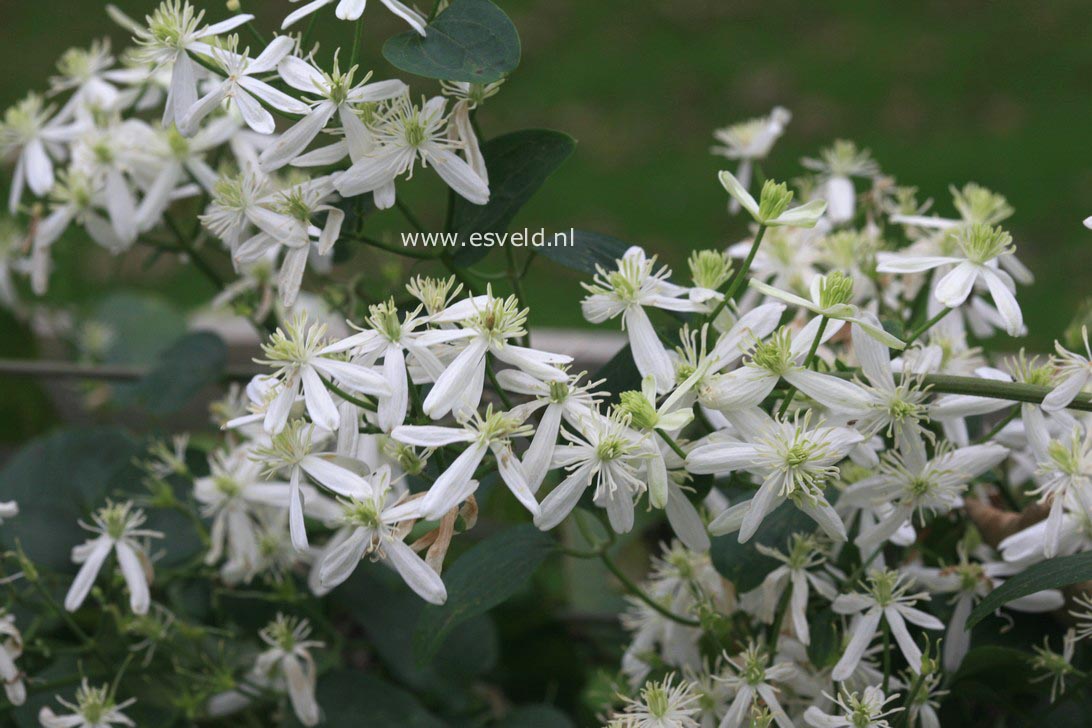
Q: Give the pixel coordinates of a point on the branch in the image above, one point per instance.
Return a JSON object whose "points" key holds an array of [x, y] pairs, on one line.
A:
{"points": [[104, 372]]}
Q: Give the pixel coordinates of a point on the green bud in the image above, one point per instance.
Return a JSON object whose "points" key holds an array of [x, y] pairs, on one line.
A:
{"points": [[642, 413], [982, 243], [835, 289], [774, 200], [710, 268]]}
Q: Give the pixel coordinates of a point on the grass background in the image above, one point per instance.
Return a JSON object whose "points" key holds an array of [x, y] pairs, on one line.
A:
{"points": [[941, 92]]}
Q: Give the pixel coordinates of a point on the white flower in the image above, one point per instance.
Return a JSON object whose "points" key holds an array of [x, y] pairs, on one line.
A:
{"points": [[8, 509], [749, 141], [404, 134], [289, 659], [772, 207], [302, 356], [1065, 481], [979, 248], [887, 599], [243, 90], [94, 708], [11, 648], [1075, 370], [376, 524], [912, 484], [837, 163], [491, 433], [626, 291], [487, 327], [805, 554], [752, 678], [645, 417], [1055, 667], [606, 451], [794, 460], [867, 710], [559, 400], [86, 72], [28, 130], [392, 339], [292, 449], [118, 526], [661, 705], [830, 296], [970, 581], [353, 9], [337, 94], [172, 33]]}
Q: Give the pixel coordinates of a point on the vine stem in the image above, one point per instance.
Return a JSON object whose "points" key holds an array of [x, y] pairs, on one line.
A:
{"points": [[779, 619], [886, 655], [633, 588], [671, 443], [741, 275], [808, 360], [517, 288], [362, 403], [921, 330], [1000, 425]]}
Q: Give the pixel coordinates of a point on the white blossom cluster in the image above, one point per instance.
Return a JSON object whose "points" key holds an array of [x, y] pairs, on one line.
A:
{"points": [[795, 370]]}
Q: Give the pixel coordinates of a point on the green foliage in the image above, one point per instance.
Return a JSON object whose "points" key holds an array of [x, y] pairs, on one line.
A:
{"points": [[483, 577], [586, 251], [350, 698], [1050, 574], [741, 563], [57, 480], [473, 40], [189, 364]]}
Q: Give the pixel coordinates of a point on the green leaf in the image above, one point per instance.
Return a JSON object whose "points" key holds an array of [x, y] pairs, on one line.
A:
{"points": [[137, 327], [350, 698], [28, 411], [519, 163], [585, 250], [741, 563], [620, 373], [189, 364], [483, 577], [57, 480], [473, 40], [1050, 574]]}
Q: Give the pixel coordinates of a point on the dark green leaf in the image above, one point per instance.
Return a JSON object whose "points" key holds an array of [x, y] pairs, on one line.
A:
{"points": [[27, 409], [519, 163], [1050, 574], [585, 250], [56, 480], [741, 563], [473, 40], [480, 579], [824, 649], [620, 373], [189, 364], [350, 698], [138, 327]]}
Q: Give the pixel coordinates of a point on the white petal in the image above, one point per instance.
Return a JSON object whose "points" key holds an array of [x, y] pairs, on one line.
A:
{"points": [[85, 579], [135, 579], [425, 582]]}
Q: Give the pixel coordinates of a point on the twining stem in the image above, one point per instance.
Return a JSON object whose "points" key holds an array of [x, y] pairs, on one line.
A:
{"points": [[517, 287], [408, 214], [633, 588], [921, 330], [860, 570], [362, 403], [202, 265], [779, 618], [407, 252], [101, 372], [740, 276], [358, 31], [808, 360], [496, 384], [911, 696], [671, 443], [999, 426], [886, 655]]}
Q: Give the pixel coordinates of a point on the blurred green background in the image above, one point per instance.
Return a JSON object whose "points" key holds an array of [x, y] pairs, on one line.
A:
{"points": [[941, 92]]}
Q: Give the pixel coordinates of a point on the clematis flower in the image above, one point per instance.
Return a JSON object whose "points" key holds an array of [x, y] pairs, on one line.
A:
{"points": [[662, 703], [1075, 371], [625, 292], [772, 207], [795, 461], [867, 709], [1065, 482], [171, 33], [30, 131], [11, 649], [752, 678], [750, 141], [1054, 666], [243, 90], [836, 165], [94, 708], [288, 662], [887, 598], [402, 135], [337, 93], [491, 433], [797, 574], [979, 248], [353, 9], [118, 526], [302, 355]]}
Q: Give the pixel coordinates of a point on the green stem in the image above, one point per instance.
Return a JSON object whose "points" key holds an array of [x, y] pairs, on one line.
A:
{"points": [[257, 34], [741, 275], [358, 32], [808, 360], [408, 214], [184, 243], [496, 384], [404, 251], [860, 570], [779, 619], [999, 426], [362, 403], [904, 717], [517, 288], [671, 443], [921, 330], [636, 591], [886, 656]]}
